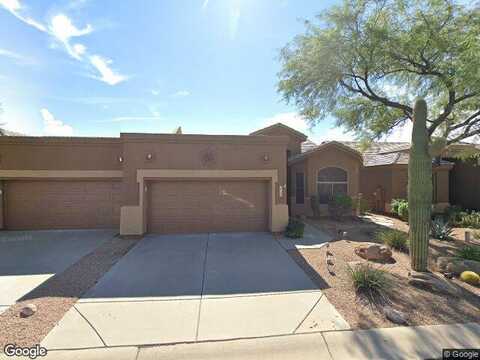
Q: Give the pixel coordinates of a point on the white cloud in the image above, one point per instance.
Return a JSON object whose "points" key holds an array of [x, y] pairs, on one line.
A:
{"points": [[291, 119], [155, 92], [132, 118], [15, 8], [15, 56], [11, 5], [335, 133], [54, 127], [62, 29], [401, 133], [234, 20], [107, 75], [181, 93], [79, 49], [205, 4]]}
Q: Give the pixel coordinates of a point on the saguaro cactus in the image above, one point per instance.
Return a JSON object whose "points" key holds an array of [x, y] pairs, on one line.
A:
{"points": [[419, 189]]}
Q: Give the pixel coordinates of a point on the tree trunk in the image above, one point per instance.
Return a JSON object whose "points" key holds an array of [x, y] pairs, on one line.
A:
{"points": [[419, 189]]}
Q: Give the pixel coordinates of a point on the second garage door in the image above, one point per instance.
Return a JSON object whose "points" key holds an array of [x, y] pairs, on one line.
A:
{"points": [[62, 204], [207, 206]]}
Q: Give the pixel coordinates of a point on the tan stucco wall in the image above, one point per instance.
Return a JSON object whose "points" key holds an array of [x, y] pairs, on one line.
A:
{"points": [[31, 158], [189, 152], [332, 156], [394, 182], [29, 153], [294, 142], [373, 178]]}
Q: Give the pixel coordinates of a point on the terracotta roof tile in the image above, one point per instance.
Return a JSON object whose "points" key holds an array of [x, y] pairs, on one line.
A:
{"points": [[377, 154]]}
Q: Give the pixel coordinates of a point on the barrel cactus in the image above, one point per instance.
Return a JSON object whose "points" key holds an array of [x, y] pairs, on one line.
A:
{"points": [[470, 277], [419, 188]]}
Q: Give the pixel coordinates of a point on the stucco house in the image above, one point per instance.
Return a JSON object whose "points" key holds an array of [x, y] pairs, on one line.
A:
{"points": [[379, 173], [167, 183], [180, 183]]}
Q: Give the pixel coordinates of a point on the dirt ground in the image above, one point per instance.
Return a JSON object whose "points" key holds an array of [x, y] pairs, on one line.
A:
{"points": [[421, 307]]}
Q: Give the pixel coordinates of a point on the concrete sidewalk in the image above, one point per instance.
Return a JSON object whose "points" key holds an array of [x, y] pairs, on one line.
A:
{"points": [[420, 342], [313, 238]]}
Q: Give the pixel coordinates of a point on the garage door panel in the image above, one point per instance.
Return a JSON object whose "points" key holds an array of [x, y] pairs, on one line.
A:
{"points": [[62, 204], [207, 206]]}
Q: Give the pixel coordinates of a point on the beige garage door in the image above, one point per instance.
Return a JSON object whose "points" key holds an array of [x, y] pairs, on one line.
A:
{"points": [[62, 204], [207, 206]]}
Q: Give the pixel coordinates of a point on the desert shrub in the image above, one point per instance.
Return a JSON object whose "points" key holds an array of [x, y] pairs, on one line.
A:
{"points": [[368, 280], [395, 239], [476, 235], [394, 205], [403, 211], [440, 229], [295, 229], [452, 214], [400, 208], [470, 220], [315, 206], [469, 252], [340, 205]]}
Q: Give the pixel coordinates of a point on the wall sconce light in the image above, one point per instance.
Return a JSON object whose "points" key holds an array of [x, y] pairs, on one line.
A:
{"points": [[120, 159], [266, 157], [149, 156], [281, 189]]}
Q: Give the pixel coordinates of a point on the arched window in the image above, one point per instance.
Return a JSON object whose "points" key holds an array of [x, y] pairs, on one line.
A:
{"points": [[330, 182]]}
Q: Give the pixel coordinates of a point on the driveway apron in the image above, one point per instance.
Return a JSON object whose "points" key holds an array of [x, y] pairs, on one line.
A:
{"points": [[186, 288], [28, 258]]}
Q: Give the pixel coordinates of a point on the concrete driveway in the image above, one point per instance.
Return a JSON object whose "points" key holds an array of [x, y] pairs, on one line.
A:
{"points": [[182, 288], [28, 258]]}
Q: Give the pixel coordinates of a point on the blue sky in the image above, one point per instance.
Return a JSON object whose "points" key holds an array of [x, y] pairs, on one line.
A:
{"points": [[98, 68]]}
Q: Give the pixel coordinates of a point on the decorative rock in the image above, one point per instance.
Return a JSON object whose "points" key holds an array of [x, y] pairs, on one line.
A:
{"points": [[28, 310], [371, 251], [457, 266], [431, 282], [470, 277], [395, 316], [443, 261]]}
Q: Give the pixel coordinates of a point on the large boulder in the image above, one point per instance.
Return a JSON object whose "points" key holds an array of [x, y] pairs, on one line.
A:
{"points": [[432, 282], [371, 251], [395, 316]]}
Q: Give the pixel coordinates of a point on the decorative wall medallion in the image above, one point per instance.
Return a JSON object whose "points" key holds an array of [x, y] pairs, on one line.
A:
{"points": [[208, 157]]}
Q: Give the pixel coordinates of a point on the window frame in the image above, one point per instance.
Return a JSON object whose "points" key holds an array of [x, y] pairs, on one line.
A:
{"points": [[332, 183], [297, 198]]}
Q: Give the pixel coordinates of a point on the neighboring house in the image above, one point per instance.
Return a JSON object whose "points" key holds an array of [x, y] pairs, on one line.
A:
{"points": [[379, 173]]}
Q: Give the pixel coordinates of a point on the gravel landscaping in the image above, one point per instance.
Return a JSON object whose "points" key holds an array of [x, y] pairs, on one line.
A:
{"points": [[420, 306], [58, 294]]}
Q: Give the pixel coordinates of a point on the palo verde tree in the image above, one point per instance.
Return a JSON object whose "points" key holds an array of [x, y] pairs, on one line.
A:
{"points": [[365, 62]]}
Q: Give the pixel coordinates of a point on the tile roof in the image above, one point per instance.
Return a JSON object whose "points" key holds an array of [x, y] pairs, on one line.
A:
{"points": [[377, 154]]}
